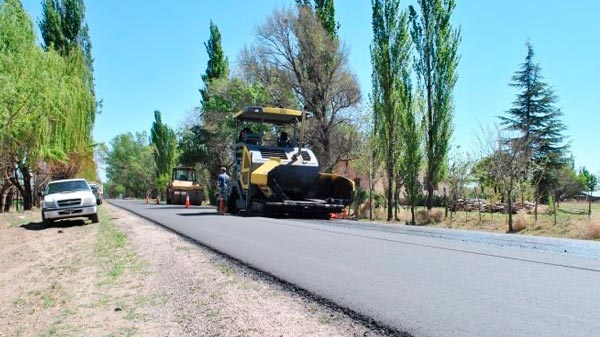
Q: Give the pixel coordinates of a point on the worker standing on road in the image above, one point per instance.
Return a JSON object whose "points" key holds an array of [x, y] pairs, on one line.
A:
{"points": [[223, 183]]}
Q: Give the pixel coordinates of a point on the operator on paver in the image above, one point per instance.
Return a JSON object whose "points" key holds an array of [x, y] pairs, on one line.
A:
{"points": [[223, 182]]}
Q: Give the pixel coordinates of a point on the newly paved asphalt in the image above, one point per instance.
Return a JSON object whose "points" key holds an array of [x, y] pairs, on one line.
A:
{"points": [[425, 282]]}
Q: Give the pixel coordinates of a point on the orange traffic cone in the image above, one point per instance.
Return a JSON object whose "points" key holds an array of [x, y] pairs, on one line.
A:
{"points": [[221, 206], [187, 200]]}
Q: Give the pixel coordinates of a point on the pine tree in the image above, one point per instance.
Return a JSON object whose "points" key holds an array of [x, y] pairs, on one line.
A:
{"points": [[436, 42], [218, 66], [536, 120], [392, 96]]}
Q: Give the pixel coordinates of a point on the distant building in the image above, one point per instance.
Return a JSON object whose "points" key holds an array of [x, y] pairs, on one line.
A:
{"points": [[583, 196]]}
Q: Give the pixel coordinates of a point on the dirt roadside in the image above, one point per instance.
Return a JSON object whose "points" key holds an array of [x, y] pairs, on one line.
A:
{"points": [[128, 277]]}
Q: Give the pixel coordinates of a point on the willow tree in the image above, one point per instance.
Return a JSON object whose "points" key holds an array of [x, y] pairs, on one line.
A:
{"points": [[64, 31], [41, 103], [392, 97], [436, 42]]}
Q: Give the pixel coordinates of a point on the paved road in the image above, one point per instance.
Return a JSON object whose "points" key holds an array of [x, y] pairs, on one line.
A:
{"points": [[422, 282]]}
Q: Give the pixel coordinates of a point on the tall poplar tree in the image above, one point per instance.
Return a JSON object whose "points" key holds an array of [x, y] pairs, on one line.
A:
{"points": [[392, 97], [217, 66], [165, 146], [535, 118], [325, 11], [436, 42]]}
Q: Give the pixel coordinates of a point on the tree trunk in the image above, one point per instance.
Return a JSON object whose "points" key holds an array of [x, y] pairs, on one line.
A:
{"points": [[589, 206], [5, 186], [535, 209], [370, 197], [554, 209], [397, 198], [326, 155], [510, 219], [478, 203], [9, 200], [445, 204], [27, 191], [429, 196], [390, 200], [412, 215], [509, 197]]}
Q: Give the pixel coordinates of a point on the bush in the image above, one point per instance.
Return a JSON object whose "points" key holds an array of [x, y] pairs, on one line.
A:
{"points": [[589, 230], [437, 215], [521, 221], [424, 217]]}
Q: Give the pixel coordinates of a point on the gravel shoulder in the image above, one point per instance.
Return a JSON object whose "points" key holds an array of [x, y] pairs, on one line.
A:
{"points": [[128, 277]]}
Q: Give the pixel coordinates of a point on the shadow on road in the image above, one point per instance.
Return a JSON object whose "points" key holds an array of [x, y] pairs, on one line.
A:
{"points": [[159, 207], [38, 226], [197, 214]]}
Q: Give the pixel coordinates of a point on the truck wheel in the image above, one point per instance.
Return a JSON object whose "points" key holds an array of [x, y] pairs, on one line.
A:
{"points": [[232, 203], [46, 221], [94, 218]]}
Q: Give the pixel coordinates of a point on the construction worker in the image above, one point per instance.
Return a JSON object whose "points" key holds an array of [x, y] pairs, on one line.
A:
{"points": [[223, 182]]}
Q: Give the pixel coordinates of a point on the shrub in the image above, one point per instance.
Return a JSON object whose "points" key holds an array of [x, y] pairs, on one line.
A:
{"points": [[589, 229], [437, 215], [521, 221], [424, 217]]}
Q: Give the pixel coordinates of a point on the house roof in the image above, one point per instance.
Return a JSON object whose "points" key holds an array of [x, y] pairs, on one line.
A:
{"points": [[595, 194]]}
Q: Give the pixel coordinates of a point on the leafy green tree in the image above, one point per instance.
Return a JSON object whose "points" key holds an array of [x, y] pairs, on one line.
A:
{"points": [[164, 141], [62, 24], [208, 142], [130, 163], [411, 158], [218, 66], [568, 184], [436, 42], [536, 119], [392, 96], [44, 123], [590, 181]]}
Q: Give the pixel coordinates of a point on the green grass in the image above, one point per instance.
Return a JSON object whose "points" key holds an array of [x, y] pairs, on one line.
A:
{"points": [[112, 250], [16, 219], [225, 268]]}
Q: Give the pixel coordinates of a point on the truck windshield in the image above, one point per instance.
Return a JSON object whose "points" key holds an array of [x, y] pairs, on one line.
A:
{"points": [[67, 186]]}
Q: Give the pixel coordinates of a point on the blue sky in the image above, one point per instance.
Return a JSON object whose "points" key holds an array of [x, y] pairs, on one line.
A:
{"points": [[150, 55]]}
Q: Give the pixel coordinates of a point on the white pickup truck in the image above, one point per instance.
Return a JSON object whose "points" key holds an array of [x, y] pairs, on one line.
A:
{"points": [[69, 198]]}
